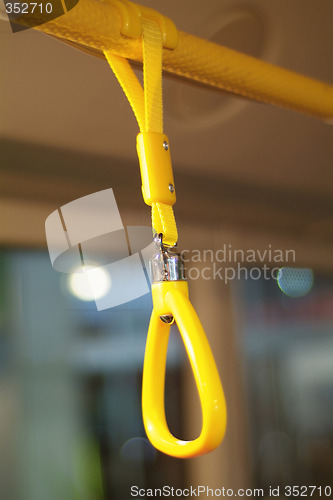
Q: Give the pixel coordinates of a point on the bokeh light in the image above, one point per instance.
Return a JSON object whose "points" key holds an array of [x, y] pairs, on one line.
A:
{"points": [[138, 449], [295, 281], [87, 289]]}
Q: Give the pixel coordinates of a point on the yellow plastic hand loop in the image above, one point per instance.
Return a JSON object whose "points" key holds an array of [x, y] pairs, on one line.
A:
{"points": [[171, 298]]}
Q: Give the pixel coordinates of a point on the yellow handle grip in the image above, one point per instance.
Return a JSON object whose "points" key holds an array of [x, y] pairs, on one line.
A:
{"points": [[172, 298]]}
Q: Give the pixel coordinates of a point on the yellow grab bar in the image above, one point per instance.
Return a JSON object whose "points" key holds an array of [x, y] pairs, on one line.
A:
{"points": [[170, 300], [98, 26]]}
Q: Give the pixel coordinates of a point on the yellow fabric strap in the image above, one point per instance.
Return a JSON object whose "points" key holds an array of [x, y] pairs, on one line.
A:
{"points": [[130, 85], [163, 221], [147, 106], [152, 76]]}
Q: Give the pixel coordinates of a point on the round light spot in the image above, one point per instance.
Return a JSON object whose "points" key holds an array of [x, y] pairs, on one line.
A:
{"points": [[89, 283], [138, 449], [295, 281]]}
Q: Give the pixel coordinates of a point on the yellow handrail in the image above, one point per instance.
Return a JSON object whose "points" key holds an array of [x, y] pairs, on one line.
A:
{"points": [[96, 26]]}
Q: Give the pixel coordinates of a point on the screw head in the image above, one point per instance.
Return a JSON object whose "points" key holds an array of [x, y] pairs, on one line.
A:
{"points": [[168, 319], [165, 145], [171, 188]]}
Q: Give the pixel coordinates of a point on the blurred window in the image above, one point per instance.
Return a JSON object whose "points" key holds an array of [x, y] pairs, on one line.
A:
{"points": [[70, 390], [286, 340]]}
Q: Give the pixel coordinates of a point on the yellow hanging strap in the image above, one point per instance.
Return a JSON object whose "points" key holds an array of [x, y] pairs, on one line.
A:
{"points": [[152, 77], [158, 187], [169, 287]]}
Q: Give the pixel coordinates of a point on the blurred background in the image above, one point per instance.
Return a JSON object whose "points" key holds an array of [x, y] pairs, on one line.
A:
{"points": [[247, 175]]}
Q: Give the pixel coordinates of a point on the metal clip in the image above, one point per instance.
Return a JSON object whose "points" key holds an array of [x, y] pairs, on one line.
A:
{"points": [[167, 264]]}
